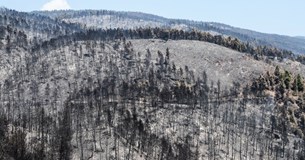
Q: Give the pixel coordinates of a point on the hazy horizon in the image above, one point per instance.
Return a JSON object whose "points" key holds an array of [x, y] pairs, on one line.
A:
{"points": [[274, 17]]}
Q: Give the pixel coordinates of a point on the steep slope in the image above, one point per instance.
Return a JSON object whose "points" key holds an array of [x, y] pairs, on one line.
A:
{"points": [[115, 99], [36, 27], [130, 20], [13, 50], [301, 37], [280, 41]]}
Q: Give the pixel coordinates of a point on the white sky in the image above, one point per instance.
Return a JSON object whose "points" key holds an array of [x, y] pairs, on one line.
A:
{"points": [[56, 5]]}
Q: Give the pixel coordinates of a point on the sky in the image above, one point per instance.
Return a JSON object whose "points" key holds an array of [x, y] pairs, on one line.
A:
{"points": [[268, 16]]}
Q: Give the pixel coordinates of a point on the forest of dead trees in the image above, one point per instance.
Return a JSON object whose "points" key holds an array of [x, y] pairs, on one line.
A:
{"points": [[140, 108], [89, 95]]}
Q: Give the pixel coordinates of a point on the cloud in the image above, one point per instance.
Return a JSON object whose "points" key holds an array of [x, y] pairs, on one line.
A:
{"points": [[56, 5]]}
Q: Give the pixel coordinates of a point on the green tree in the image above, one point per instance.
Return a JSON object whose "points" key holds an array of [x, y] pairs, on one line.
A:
{"points": [[277, 74], [299, 86], [287, 79], [277, 71]]}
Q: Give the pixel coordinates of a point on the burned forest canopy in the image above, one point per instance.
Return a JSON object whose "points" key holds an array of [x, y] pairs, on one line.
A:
{"points": [[90, 94], [258, 52]]}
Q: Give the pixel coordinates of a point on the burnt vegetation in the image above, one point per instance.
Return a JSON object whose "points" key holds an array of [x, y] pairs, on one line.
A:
{"points": [[89, 95]]}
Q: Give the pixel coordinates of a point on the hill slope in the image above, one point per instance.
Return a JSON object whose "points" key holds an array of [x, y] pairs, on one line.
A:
{"points": [[139, 94], [36, 27], [130, 20], [221, 63]]}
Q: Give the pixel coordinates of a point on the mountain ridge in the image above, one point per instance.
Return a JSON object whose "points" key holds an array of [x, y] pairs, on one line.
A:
{"points": [[281, 41]]}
